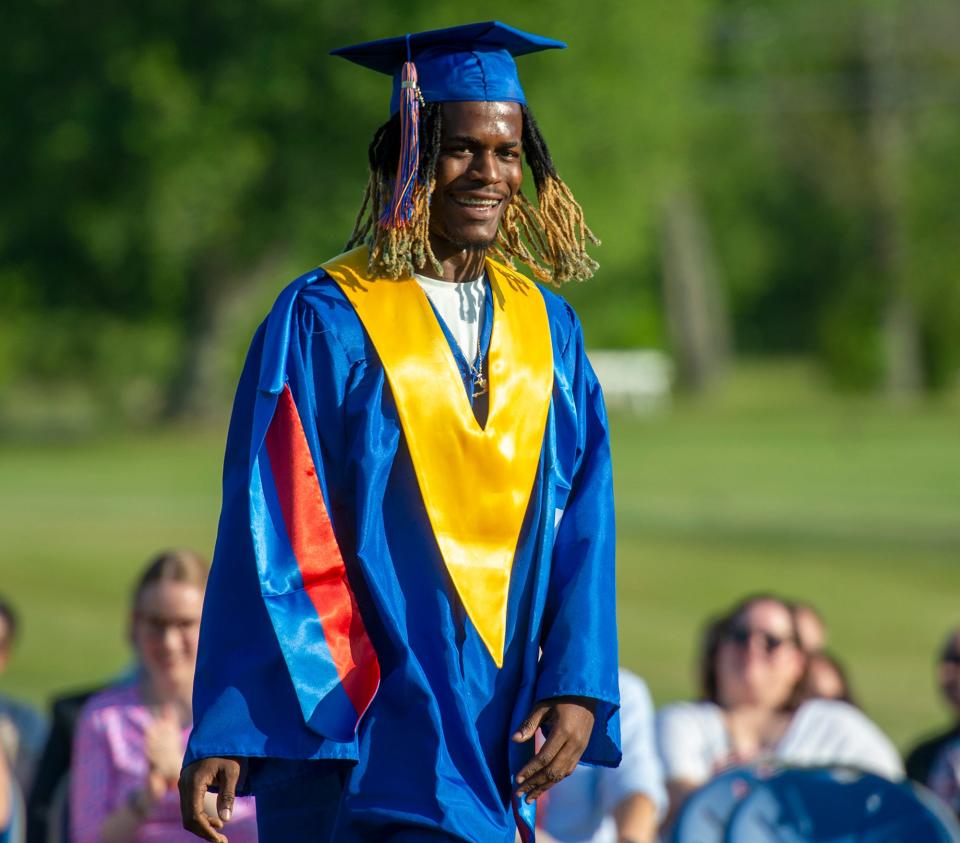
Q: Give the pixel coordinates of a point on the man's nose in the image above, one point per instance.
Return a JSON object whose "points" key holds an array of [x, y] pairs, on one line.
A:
{"points": [[484, 168]]}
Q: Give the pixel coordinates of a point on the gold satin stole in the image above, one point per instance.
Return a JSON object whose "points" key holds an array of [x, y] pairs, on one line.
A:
{"points": [[475, 482]]}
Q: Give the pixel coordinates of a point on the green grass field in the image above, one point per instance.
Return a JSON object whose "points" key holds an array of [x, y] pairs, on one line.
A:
{"points": [[774, 484]]}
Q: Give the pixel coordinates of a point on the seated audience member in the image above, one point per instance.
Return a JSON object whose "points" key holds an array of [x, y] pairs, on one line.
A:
{"points": [[752, 708], [826, 679], [935, 761], [130, 739], [607, 805], [22, 728]]}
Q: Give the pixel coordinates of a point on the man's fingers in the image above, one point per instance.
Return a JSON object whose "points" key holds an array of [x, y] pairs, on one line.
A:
{"points": [[195, 819], [227, 785], [557, 768], [534, 795], [202, 827], [192, 790], [194, 783], [547, 777], [562, 765], [536, 765], [529, 726], [572, 722]]}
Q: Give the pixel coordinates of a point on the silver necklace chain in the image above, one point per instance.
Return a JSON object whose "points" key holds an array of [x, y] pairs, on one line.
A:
{"points": [[479, 381]]}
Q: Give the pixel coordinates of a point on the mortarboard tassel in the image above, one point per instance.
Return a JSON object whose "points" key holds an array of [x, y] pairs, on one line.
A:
{"points": [[400, 210]]}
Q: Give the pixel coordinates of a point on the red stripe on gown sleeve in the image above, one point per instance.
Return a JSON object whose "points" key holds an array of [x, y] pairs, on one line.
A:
{"points": [[318, 554]]}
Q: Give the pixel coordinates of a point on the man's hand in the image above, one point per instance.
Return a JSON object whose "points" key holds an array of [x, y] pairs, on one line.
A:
{"points": [[195, 780], [571, 722]]}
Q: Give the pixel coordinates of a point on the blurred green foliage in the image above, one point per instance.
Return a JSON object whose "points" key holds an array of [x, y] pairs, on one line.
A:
{"points": [[168, 166]]}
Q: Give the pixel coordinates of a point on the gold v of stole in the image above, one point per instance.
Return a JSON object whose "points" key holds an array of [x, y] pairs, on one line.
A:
{"points": [[475, 482]]}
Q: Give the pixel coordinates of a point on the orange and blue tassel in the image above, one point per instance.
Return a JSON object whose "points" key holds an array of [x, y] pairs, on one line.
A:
{"points": [[399, 212]]}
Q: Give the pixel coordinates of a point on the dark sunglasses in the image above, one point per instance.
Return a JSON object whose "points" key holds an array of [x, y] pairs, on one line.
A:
{"points": [[742, 635], [950, 657]]}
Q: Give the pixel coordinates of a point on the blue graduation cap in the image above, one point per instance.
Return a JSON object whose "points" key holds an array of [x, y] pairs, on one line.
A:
{"points": [[469, 63]]}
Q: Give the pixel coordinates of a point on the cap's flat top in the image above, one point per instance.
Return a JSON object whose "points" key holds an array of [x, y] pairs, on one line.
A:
{"points": [[388, 54]]}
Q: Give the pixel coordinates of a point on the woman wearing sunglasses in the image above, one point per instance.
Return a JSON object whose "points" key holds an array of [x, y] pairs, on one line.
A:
{"points": [[753, 707]]}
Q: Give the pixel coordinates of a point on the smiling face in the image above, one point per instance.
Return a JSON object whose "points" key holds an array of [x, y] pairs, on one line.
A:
{"points": [[166, 630], [478, 171], [759, 662]]}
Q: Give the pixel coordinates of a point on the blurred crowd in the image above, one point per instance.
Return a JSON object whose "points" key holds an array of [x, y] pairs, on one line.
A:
{"points": [[103, 766], [770, 693], [105, 770]]}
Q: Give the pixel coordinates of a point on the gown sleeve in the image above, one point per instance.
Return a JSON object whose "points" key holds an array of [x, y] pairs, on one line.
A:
{"points": [[579, 639], [285, 668]]}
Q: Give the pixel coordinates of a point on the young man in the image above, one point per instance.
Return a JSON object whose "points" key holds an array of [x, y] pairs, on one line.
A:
{"points": [[414, 567]]}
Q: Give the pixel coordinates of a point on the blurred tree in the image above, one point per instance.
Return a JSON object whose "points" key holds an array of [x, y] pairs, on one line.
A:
{"points": [[170, 165], [620, 115], [695, 310], [824, 113], [162, 158]]}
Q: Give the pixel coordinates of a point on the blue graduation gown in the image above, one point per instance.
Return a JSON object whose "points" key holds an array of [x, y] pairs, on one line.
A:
{"points": [[433, 750]]}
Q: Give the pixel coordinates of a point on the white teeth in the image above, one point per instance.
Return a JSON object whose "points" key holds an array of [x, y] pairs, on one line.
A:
{"points": [[479, 203]]}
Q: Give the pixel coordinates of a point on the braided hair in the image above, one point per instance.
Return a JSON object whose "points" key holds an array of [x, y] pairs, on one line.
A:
{"points": [[549, 237]]}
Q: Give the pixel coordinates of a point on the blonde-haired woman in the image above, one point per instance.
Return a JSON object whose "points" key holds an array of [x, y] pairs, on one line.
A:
{"points": [[130, 739]]}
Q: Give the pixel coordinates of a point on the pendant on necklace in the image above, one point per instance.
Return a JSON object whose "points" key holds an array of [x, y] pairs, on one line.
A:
{"points": [[480, 386]]}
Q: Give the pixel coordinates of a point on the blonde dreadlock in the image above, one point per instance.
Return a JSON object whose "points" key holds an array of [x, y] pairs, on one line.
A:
{"points": [[550, 237]]}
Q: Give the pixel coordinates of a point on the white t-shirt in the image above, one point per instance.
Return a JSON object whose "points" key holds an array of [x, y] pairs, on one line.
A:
{"points": [[460, 305], [694, 744]]}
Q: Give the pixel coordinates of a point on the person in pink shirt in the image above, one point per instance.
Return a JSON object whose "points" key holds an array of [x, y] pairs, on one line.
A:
{"points": [[130, 739]]}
